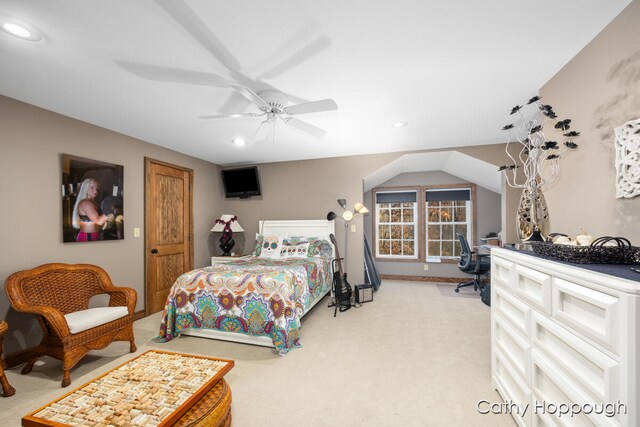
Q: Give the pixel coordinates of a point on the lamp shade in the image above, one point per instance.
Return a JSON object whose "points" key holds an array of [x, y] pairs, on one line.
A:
{"points": [[225, 219], [331, 216], [342, 203], [360, 208]]}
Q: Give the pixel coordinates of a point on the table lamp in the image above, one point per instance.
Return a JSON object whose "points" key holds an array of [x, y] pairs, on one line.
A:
{"points": [[227, 224]]}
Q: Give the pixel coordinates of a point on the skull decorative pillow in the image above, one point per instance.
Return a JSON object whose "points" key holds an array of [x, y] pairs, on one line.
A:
{"points": [[271, 245], [294, 251]]}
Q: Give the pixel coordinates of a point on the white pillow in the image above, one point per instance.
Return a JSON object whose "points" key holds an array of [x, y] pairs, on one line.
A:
{"points": [[301, 250], [271, 246]]}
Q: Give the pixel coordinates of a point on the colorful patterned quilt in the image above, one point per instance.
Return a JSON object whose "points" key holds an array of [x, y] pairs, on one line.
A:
{"points": [[252, 296]]}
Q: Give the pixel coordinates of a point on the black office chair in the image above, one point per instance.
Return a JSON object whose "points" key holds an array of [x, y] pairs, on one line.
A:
{"points": [[477, 266]]}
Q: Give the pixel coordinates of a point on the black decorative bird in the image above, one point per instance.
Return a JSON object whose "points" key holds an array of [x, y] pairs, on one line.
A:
{"points": [[550, 113], [571, 145], [572, 134], [507, 127], [551, 145], [515, 109], [563, 124], [552, 156], [534, 99], [546, 107], [506, 167], [535, 129]]}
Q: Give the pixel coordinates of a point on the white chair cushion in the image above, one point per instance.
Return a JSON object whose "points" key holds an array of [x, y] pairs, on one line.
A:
{"points": [[86, 319]]}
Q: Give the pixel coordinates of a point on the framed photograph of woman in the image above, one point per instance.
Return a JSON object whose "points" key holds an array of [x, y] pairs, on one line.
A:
{"points": [[92, 200]]}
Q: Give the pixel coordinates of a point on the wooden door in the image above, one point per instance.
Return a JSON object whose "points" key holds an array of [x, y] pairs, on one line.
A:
{"points": [[168, 229]]}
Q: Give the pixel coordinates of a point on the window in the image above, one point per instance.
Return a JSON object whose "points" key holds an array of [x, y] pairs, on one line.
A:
{"points": [[396, 224], [448, 212]]}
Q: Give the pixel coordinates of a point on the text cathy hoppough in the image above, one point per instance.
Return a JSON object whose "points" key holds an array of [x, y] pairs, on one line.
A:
{"points": [[560, 410]]}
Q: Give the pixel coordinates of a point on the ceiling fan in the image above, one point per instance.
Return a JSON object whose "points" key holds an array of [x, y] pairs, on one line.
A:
{"points": [[274, 105]]}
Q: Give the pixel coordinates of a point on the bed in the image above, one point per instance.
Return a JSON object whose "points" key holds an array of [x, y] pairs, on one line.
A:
{"points": [[255, 300]]}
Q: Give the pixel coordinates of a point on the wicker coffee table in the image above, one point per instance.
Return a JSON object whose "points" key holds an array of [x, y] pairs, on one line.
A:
{"points": [[157, 388]]}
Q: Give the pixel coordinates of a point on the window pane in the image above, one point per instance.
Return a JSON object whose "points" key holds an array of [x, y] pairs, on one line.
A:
{"points": [[407, 205], [383, 232], [460, 214], [434, 232], [446, 215], [396, 247], [434, 248], [433, 203], [408, 247], [407, 215], [396, 215], [456, 248], [384, 215], [396, 232], [384, 205], [447, 248], [396, 205], [461, 228], [384, 248], [461, 203], [447, 204], [447, 232], [407, 232], [434, 215]]}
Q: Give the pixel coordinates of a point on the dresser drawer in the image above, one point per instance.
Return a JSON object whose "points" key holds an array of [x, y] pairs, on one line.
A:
{"points": [[503, 272], [551, 387], [512, 345], [534, 287], [594, 314], [511, 387], [513, 309], [590, 369]]}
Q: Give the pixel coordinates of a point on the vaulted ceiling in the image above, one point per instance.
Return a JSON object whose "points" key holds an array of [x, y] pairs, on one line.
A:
{"points": [[149, 69]]}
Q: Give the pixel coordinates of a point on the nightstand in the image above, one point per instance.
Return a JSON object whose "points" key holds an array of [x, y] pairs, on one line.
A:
{"points": [[226, 259]]}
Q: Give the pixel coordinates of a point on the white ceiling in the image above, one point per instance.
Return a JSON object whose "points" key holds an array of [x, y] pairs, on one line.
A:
{"points": [[452, 70]]}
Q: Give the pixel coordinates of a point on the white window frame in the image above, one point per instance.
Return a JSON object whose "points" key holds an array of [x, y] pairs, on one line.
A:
{"points": [[415, 223], [469, 223]]}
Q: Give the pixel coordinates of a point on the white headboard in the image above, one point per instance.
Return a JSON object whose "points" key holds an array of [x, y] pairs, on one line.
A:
{"points": [[304, 227]]}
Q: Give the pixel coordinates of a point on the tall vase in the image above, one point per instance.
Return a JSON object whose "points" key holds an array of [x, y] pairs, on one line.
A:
{"points": [[532, 217]]}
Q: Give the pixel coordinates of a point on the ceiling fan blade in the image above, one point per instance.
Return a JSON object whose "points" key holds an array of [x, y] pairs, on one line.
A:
{"points": [[231, 116], [251, 95], [191, 23], [235, 102], [300, 56], [312, 107], [305, 127], [264, 130], [169, 74]]}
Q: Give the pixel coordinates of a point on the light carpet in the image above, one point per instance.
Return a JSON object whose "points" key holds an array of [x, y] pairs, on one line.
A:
{"points": [[412, 357]]}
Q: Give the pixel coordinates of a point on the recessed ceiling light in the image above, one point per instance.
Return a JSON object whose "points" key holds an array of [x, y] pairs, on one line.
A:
{"points": [[399, 124], [238, 141], [20, 29]]}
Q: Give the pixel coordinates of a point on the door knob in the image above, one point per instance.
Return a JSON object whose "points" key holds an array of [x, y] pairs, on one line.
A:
{"points": [[154, 251]]}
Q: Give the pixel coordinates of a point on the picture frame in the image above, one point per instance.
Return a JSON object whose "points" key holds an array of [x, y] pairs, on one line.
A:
{"points": [[92, 200]]}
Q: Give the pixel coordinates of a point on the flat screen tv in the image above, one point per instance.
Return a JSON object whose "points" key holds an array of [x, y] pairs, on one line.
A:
{"points": [[241, 182]]}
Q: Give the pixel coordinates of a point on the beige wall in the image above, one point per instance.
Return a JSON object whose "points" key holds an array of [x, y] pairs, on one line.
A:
{"points": [[599, 89], [31, 142], [309, 189]]}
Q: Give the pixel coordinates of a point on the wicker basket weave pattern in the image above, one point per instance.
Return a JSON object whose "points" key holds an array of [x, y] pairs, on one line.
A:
{"points": [[52, 290], [588, 254]]}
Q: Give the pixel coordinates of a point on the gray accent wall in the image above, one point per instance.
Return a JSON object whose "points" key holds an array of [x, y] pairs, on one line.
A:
{"points": [[489, 219], [31, 142]]}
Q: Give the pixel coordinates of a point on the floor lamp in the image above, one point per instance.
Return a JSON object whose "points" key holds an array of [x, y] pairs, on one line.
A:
{"points": [[347, 217]]}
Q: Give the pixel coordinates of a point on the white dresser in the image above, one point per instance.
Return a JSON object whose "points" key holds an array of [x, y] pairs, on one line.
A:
{"points": [[564, 335]]}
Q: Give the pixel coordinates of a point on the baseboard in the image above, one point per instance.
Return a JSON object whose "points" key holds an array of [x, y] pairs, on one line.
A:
{"points": [[429, 278], [23, 356]]}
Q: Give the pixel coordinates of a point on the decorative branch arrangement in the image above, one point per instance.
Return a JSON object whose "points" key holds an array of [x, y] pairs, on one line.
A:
{"points": [[539, 160]]}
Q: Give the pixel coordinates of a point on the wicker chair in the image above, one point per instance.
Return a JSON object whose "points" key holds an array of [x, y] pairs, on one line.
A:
{"points": [[52, 291]]}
